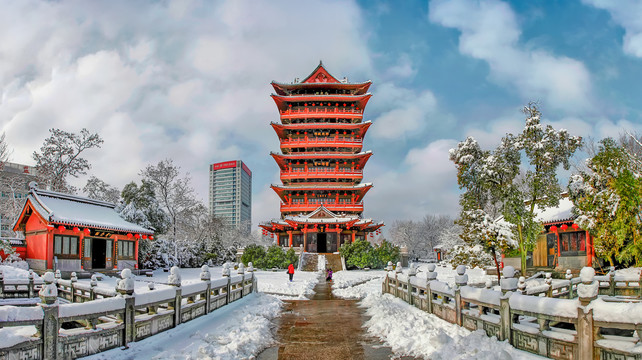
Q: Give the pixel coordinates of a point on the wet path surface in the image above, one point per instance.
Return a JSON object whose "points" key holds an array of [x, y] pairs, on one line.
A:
{"points": [[324, 327]]}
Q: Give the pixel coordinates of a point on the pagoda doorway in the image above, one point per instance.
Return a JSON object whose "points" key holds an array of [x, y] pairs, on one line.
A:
{"points": [[98, 253], [322, 243]]}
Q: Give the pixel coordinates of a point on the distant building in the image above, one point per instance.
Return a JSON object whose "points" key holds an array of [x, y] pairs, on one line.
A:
{"points": [[231, 193], [14, 188]]}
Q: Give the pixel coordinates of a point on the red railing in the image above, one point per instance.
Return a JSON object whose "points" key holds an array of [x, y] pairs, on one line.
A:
{"points": [[331, 204], [322, 141], [321, 110], [322, 172]]}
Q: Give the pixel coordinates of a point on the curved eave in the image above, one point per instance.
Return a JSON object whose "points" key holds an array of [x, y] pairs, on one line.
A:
{"points": [[360, 190], [283, 100], [283, 88], [361, 157]]}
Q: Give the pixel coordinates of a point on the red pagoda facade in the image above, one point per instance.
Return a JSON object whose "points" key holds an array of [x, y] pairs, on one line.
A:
{"points": [[321, 163]]}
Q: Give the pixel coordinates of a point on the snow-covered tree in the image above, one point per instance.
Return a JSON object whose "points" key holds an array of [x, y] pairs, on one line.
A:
{"points": [[420, 237], [59, 157], [100, 190], [608, 202], [502, 186]]}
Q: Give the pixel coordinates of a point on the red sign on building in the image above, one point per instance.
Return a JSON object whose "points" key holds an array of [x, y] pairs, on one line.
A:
{"points": [[224, 165]]}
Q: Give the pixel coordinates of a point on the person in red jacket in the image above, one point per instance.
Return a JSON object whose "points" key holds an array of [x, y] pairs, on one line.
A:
{"points": [[291, 271]]}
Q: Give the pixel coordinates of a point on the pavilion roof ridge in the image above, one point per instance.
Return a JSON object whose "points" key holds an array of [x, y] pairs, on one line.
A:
{"points": [[348, 187]]}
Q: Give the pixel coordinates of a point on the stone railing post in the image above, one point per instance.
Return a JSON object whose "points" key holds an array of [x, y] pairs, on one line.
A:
{"points": [[639, 286], [1, 284], [30, 286], [93, 283], [207, 276], [174, 279], [72, 286], [461, 279], [569, 276], [241, 271], [587, 292], [125, 287], [432, 275], [508, 285], [250, 269], [50, 324], [226, 273], [521, 285], [549, 281], [412, 271], [611, 275]]}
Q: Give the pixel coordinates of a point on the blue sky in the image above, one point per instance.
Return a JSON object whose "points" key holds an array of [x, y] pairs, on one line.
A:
{"points": [[189, 80]]}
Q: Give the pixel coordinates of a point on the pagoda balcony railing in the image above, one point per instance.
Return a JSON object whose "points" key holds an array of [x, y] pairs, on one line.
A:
{"points": [[323, 141], [331, 204], [321, 173], [322, 170], [339, 110]]}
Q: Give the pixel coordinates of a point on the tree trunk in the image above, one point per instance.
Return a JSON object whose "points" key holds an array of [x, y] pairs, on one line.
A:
{"points": [[499, 276], [522, 250]]}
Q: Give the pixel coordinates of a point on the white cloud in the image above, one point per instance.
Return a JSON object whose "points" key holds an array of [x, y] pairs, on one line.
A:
{"points": [[424, 183], [490, 32], [628, 14], [402, 111]]}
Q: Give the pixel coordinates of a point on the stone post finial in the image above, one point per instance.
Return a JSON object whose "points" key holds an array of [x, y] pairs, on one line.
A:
{"points": [[226, 270], [49, 292], [489, 283], [389, 266], [569, 274], [508, 283], [241, 269], [412, 270], [74, 277], [58, 275], [548, 280], [461, 279], [250, 267], [432, 274], [151, 285], [205, 273], [126, 284], [174, 278], [588, 289], [399, 267], [521, 285], [31, 275], [94, 281]]}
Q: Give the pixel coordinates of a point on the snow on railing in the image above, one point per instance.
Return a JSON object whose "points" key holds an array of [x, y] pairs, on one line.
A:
{"points": [[566, 321], [125, 315]]}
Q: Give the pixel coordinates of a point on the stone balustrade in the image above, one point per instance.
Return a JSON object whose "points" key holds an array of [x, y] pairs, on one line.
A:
{"points": [[567, 321], [96, 319]]}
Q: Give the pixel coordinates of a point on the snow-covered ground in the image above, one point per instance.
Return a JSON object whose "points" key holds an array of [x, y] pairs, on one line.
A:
{"points": [[236, 331], [420, 334], [14, 273], [278, 284]]}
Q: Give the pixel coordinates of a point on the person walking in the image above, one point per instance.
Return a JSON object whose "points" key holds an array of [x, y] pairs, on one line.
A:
{"points": [[329, 275], [291, 271]]}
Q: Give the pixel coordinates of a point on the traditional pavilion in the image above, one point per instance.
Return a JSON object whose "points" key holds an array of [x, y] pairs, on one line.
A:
{"points": [[74, 233], [321, 163], [563, 244]]}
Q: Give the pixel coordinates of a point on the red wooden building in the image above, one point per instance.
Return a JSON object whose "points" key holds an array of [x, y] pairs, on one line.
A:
{"points": [[321, 163], [563, 244], [72, 233]]}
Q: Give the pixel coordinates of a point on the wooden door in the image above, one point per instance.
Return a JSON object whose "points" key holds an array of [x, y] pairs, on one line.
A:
{"points": [[86, 254], [540, 251]]}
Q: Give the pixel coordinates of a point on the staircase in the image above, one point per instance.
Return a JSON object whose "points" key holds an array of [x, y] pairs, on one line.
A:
{"points": [[309, 262], [334, 262]]}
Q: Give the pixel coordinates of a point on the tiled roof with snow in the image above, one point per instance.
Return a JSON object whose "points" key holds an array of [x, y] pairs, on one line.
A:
{"points": [[75, 210], [554, 214]]}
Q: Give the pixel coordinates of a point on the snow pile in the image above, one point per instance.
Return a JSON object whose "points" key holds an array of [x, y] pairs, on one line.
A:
{"points": [[239, 330], [321, 263], [15, 335], [616, 311], [426, 336], [91, 307], [14, 273], [544, 305], [359, 290], [344, 279], [277, 283], [447, 274], [19, 313]]}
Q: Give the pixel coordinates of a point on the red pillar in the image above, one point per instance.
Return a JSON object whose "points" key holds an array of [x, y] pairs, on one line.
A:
{"points": [[135, 253], [559, 251], [290, 238], [353, 235], [589, 250]]}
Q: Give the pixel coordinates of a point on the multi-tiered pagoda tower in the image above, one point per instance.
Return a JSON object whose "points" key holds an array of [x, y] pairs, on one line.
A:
{"points": [[321, 161]]}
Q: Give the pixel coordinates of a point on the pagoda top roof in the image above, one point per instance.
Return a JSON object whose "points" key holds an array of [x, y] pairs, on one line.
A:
{"points": [[362, 186], [73, 210], [321, 77]]}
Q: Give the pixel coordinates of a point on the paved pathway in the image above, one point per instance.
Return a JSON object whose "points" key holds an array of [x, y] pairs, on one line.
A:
{"points": [[324, 328]]}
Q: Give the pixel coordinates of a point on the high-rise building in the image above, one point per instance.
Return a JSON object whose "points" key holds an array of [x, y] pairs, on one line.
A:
{"points": [[321, 163], [231, 193]]}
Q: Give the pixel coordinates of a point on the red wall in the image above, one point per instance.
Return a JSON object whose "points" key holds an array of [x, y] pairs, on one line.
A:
{"points": [[37, 245]]}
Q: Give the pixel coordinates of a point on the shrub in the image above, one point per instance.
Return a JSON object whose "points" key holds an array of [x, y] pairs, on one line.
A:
{"points": [[362, 254], [274, 257], [254, 254]]}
